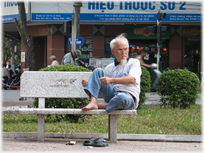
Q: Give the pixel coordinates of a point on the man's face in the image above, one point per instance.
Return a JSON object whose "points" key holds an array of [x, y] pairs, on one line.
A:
{"points": [[121, 50], [74, 55]]}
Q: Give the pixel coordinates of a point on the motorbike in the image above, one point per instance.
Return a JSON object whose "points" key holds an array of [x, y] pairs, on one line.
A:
{"points": [[81, 63], [154, 73], [14, 83]]}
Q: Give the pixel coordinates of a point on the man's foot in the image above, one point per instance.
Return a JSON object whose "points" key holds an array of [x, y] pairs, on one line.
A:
{"points": [[90, 106], [84, 82], [102, 105]]}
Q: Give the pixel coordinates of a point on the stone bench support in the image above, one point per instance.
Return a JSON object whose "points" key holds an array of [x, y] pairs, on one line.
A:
{"points": [[112, 118], [46, 84]]}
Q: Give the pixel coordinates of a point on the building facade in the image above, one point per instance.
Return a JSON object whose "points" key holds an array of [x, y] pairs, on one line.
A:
{"points": [[100, 21]]}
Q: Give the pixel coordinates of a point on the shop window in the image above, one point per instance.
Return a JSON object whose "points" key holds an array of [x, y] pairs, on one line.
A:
{"points": [[149, 46], [193, 55], [86, 49]]}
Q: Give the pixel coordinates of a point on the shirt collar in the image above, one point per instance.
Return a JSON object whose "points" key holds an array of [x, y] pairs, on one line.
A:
{"points": [[116, 62]]}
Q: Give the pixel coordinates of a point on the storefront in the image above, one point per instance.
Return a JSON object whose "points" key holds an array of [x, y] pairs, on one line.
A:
{"points": [[193, 50], [102, 21], [141, 39]]}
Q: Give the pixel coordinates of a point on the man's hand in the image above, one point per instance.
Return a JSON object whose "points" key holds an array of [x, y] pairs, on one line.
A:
{"points": [[105, 80]]}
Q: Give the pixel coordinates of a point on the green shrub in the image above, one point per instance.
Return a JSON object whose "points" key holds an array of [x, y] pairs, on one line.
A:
{"points": [[145, 84], [65, 102], [65, 68], [178, 88]]}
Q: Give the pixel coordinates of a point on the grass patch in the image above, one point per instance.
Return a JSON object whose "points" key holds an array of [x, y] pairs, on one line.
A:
{"points": [[149, 120]]}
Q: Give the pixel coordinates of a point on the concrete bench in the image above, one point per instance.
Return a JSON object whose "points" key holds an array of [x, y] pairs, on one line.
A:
{"points": [[46, 84]]}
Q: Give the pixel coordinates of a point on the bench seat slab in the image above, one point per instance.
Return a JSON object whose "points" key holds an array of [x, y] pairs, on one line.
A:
{"points": [[72, 111]]}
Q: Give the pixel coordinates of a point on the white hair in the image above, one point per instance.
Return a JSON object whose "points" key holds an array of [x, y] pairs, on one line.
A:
{"points": [[119, 37]]}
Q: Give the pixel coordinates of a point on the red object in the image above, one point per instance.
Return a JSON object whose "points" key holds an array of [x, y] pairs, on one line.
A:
{"points": [[132, 50], [11, 86]]}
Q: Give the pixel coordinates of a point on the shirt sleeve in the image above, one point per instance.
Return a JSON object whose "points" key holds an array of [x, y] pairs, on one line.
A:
{"points": [[135, 70]]}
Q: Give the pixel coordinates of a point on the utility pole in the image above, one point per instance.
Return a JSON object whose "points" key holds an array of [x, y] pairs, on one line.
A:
{"points": [[160, 35], [76, 25], [158, 29], [73, 33], [158, 40]]}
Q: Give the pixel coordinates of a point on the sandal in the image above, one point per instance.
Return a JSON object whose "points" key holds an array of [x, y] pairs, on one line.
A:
{"points": [[89, 142], [100, 143]]}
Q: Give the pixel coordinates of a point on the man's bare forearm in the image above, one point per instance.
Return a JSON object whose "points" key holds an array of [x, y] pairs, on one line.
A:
{"points": [[122, 80]]}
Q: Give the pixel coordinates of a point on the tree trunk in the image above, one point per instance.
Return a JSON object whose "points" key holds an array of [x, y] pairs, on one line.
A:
{"points": [[26, 38]]}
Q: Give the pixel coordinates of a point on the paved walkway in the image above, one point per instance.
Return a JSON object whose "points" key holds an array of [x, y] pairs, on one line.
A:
{"points": [[30, 145]]}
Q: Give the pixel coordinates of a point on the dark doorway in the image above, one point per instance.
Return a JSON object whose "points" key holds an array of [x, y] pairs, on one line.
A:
{"points": [[40, 45]]}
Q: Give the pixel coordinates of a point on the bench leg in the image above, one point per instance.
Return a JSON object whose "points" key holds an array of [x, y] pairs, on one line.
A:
{"points": [[112, 128], [41, 127]]}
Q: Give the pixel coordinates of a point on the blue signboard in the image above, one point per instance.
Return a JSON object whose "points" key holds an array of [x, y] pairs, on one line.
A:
{"points": [[51, 16], [117, 17], [79, 41], [109, 11]]}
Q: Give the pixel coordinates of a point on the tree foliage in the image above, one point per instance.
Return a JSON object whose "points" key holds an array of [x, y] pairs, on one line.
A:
{"points": [[8, 48]]}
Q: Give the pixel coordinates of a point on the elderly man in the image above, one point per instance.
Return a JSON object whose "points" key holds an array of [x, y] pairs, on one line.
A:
{"points": [[54, 61], [70, 58], [119, 83]]}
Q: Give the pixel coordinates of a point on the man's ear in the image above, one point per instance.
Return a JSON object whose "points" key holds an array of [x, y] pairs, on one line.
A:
{"points": [[112, 51]]}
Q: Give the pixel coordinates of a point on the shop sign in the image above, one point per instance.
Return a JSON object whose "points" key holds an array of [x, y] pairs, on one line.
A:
{"points": [[79, 41], [9, 10], [130, 11], [22, 56], [191, 31], [141, 32]]}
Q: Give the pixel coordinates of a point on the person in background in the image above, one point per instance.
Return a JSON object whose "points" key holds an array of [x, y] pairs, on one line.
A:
{"points": [[18, 69], [119, 83], [11, 74], [140, 58], [71, 58], [54, 61], [4, 74]]}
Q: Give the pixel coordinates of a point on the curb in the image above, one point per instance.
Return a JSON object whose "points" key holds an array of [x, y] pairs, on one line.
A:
{"points": [[128, 137]]}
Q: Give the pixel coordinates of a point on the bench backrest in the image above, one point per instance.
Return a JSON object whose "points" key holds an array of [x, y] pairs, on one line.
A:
{"points": [[49, 84]]}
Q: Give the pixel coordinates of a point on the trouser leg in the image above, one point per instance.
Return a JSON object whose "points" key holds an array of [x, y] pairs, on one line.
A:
{"points": [[121, 100], [94, 86]]}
